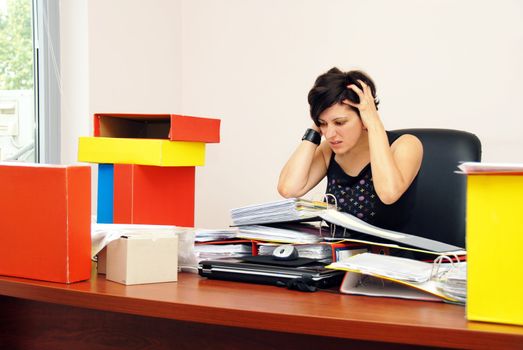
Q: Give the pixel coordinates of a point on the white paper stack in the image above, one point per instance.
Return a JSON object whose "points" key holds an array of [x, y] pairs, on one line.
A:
{"points": [[351, 222], [274, 234], [311, 251], [290, 209], [491, 168], [392, 267], [208, 235], [103, 234], [454, 283], [220, 251]]}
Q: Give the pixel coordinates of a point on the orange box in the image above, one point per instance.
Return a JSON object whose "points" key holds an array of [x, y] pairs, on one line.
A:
{"points": [[153, 195], [157, 126], [45, 226]]}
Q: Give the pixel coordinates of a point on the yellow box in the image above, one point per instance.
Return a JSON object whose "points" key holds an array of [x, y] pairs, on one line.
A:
{"points": [[107, 150], [494, 248]]}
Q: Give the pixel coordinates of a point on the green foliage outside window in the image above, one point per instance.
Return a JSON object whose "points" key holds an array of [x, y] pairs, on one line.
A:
{"points": [[16, 46]]}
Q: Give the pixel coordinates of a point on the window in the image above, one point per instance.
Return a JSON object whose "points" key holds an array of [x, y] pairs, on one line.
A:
{"points": [[17, 117], [29, 80]]}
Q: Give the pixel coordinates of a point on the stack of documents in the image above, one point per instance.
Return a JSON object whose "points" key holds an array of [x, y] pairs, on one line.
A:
{"points": [[209, 235], [454, 284], [282, 222], [221, 251], [377, 234], [491, 168], [407, 270], [391, 276], [291, 209], [311, 251], [103, 234], [275, 234]]}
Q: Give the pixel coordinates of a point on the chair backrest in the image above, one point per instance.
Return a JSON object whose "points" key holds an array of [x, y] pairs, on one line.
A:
{"points": [[439, 211]]}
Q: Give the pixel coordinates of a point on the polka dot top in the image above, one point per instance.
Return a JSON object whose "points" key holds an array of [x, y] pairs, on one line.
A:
{"points": [[356, 195]]}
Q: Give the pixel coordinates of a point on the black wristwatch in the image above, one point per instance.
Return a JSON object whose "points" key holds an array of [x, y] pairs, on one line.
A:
{"points": [[313, 136]]}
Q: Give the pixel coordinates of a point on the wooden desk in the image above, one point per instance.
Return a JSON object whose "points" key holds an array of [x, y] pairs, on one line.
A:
{"points": [[196, 313]]}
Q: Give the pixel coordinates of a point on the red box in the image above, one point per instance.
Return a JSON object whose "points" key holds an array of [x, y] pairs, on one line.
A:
{"points": [[153, 195], [45, 226], [157, 126]]}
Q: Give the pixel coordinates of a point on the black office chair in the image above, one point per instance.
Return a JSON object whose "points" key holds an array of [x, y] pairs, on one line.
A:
{"points": [[439, 211]]}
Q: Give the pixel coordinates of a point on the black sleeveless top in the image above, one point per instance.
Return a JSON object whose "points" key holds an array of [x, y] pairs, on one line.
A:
{"points": [[356, 195]]}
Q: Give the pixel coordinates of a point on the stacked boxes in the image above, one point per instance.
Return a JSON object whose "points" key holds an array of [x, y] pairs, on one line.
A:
{"points": [[147, 162]]}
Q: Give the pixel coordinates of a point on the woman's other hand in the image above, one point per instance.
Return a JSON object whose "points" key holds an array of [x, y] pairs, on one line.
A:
{"points": [[367, 106]]}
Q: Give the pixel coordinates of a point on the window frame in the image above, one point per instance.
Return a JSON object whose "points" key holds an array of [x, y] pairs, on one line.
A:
{"points": [[47, 87]]}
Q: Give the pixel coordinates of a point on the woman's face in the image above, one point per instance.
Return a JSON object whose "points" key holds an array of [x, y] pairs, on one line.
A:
{"points": [[341, 126]]}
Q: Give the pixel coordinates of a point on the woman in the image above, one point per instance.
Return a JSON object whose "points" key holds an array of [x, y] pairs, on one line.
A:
{"points": [[370, 172]]}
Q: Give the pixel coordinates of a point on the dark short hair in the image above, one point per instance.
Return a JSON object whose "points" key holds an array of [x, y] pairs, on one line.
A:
{"points": [[331, 88]]}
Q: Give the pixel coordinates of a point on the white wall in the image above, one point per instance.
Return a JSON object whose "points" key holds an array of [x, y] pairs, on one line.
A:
{"points": [[437, 63], [134, 56], [448, 64], [74, 77]]}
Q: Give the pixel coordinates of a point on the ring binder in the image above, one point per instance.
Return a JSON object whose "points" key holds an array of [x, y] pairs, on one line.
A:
{"points": [[332, 227], [400, 277], [436, 264]]}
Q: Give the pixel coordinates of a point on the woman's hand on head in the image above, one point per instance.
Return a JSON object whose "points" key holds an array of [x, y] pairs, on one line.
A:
{"points": [[367, 106]]}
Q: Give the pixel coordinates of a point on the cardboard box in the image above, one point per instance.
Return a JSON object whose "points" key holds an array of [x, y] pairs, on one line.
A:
{"points": [[140, 151], [494, 244], [157, 126], [103, 233], [154, 195], [101, 262], [143, 259], [45, 226]]}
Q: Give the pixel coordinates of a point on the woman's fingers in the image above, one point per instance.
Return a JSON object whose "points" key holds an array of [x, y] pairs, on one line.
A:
{"points": [[364, 93], [350, 103], [366, 89], [356, 89]]}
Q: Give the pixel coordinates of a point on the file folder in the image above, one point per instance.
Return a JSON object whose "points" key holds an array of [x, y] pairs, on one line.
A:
{"points": [[389, 276]]}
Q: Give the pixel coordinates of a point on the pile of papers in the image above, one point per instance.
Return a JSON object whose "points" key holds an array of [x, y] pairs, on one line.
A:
{"points": [[279, 235], [491, 168], [393, 267], [311, 251], [208, 235], [350, 222], [283, 222], [291, 209], [253, 220], [220, 251], [103, 234], [392, 276], [454, 284]]}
